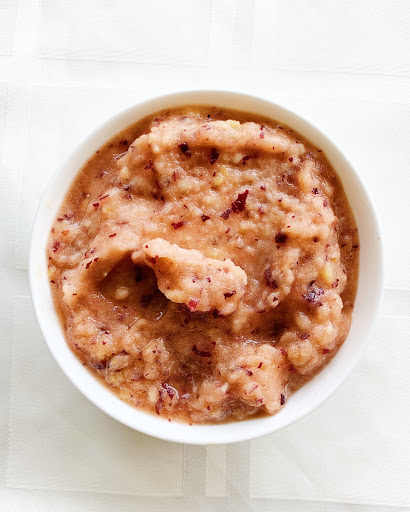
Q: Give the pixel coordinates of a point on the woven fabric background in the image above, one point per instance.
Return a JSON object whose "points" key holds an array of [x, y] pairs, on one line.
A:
{"points": [[67, 65]]}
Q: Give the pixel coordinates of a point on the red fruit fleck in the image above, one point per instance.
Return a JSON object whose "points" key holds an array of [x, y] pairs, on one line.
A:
{"points": [[96, 259], [335, 284], [270, 282], [315, 190], [304, 335], [312, 296], [88, 264], [170, 390], [248, 372], [52, 281], [291, 159], [282, 399], [239, 204], [229, 294], [96, 205], [205, 218], [280, 238], [201, 353], [185, 149], [177, 225], [315, 239], [103, 197], [114, 234], [325, 351], [214, 156], [60, 219], [192, 304], [56, 245], [226, 213], [159, 405], [227, 230], [260, 365], [248, 157], [263, 187]]}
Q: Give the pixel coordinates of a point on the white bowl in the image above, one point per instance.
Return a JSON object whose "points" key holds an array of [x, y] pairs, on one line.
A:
{"points": [[311, 395]]}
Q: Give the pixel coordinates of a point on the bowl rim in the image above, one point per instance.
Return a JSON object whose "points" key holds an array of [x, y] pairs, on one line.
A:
{"points": [[207, 434]]}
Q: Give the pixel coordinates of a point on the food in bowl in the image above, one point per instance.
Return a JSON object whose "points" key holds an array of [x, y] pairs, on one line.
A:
{"points": [[204, 264]]}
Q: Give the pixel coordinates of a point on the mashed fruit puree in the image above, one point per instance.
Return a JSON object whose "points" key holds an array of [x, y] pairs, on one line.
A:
{"points": [[204, 264]]}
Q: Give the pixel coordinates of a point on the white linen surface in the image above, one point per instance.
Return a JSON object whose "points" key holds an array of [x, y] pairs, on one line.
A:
{"points": [[65, 66]]}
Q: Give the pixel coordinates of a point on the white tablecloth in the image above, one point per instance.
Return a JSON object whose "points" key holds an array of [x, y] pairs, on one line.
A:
{"points": [[66, 65]]}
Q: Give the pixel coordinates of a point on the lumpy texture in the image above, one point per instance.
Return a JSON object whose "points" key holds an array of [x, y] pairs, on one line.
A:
{"points": [[188, 277], [204, 264]]}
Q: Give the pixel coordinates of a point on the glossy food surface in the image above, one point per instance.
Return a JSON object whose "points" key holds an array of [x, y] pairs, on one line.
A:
{"points": [[204, 264]]}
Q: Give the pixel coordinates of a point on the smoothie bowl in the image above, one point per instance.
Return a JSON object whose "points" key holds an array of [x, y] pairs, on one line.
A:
{"points": [[206, 267]]}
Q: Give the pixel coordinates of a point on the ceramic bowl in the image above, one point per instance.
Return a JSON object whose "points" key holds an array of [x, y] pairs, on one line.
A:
{"points": [[310, 396]]}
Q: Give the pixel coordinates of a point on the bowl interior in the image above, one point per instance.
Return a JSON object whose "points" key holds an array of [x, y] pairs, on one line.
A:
{"points": [[309, 396]]}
